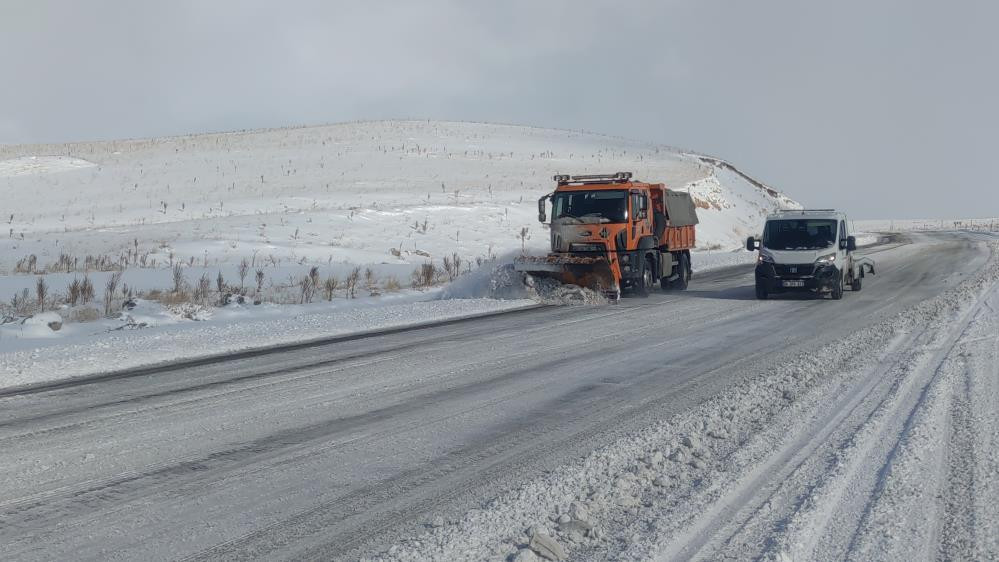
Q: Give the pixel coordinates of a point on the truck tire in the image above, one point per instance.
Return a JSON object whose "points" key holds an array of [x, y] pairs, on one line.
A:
{"points": [[761, 292], [837, 292], [855, 284], [646, 279], [684, 274]]}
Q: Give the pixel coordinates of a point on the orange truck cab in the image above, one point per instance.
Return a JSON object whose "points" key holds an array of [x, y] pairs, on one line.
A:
{"points": [[610, 233]]}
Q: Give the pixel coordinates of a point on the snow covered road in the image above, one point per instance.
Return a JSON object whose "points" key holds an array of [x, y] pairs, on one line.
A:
{"points": [[810, 429]]}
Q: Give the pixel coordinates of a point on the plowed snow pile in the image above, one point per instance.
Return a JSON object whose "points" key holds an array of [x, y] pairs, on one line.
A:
{"points": [[882, 446]]}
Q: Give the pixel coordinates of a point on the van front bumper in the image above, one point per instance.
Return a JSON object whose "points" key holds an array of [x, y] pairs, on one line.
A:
{"points": [[778, 278]]}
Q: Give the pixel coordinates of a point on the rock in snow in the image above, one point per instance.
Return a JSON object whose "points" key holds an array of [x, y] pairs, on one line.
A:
{"points": [[51, 320], [525, 555], [692, 442], [546, 547]]}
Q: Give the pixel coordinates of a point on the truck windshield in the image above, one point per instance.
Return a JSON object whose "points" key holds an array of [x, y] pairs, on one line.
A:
{"points": [[799, 234], [598, 206]]}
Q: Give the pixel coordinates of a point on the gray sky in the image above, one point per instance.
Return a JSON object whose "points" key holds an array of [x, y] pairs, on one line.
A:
{"points": [[869, 106]]}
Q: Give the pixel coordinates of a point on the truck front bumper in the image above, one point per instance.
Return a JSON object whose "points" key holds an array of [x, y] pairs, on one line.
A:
{"points": [[792, 278]]}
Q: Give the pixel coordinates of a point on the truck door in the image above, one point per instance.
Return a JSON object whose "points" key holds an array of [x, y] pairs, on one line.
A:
{"points": [[640, 216]]}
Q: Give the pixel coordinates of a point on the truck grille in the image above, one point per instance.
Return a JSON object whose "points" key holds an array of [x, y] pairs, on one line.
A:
{"points": [[793, 270]]}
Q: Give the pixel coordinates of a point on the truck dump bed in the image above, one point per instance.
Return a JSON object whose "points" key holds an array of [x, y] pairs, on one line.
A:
{"points": [[681, 216]]}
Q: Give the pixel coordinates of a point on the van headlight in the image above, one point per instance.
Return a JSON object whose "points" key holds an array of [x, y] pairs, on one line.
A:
{"points": [[830, 258], [765, 257]]}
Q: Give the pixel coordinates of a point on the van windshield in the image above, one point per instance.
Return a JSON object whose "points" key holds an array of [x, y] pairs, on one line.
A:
{"points": [[799, 234], [603, 206]]}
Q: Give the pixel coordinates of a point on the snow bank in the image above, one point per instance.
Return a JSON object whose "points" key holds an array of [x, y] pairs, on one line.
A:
{"points": [[150, 333], [34, 165]]}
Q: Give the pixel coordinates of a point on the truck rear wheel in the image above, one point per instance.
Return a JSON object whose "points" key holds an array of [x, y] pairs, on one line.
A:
{"points": [[684, 273]]}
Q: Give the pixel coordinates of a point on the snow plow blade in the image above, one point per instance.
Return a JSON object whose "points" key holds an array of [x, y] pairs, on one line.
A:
{"points": [[588, 272]]}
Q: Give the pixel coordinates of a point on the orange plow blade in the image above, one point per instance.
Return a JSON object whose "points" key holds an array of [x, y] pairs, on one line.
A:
{"points": [[589, 272]]}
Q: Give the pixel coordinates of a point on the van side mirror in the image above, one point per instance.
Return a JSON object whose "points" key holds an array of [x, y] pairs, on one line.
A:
{"points": [[751, 244], [851, 243]]}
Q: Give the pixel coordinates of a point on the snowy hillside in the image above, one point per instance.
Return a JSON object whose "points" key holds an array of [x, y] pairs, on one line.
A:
{"points": [[392, 193]]}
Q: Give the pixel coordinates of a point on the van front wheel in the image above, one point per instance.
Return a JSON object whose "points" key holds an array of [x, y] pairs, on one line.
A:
{"points": [[761, 292], [837, 292]]}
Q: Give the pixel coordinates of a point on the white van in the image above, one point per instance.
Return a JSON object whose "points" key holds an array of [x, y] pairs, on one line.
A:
{"points": [[807, 251]]}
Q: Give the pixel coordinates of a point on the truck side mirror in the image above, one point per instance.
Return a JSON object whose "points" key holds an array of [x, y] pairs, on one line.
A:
{"points": [[542, 217], [751, 244], [851, 243]]}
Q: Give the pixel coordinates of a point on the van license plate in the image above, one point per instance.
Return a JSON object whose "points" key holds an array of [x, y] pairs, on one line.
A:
{"points": [[794, 283]]}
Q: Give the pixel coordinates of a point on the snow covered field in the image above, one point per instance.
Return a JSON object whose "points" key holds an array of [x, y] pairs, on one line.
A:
{"points": [[909, 225], [178, 217], [393, 192]]}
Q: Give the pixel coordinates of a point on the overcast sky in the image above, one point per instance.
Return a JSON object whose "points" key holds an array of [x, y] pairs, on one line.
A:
{"points": [[869, 106]]}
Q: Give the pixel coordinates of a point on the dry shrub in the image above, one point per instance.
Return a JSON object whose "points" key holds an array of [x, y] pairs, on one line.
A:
{"points": [[351, 282], [27, 264], [41, 293], [221, 289], [330, 286], [452, 266], [425, 275], [86, 290], [308, 286], [170, 298], [202, 289], [20, 303], [392, 284], [260, 280], [178, 278], [73, 293], [244, 268], [110, 288]]}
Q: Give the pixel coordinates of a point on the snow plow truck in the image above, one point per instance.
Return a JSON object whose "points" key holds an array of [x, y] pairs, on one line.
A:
{"points": [[612, 234]]}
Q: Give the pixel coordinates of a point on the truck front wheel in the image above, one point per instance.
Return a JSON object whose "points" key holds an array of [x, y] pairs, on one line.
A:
{"points": [[646, 279], [855, 284]]}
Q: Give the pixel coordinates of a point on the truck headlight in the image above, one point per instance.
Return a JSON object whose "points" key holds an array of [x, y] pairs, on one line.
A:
{"points": [[830, 258]]}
